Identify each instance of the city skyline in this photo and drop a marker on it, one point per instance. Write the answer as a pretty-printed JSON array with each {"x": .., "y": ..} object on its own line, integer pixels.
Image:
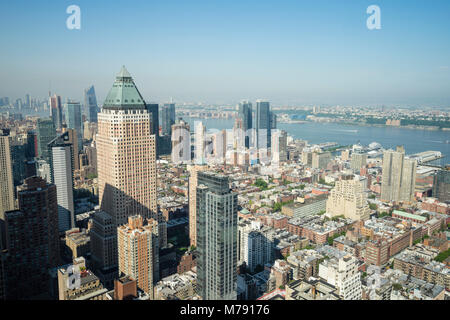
[{"x": 294, "y": 52}]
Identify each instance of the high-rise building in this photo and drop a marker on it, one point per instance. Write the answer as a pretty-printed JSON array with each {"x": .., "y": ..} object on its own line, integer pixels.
[
  {"x": 126, "y": 153},
  {"x": 320, "y": 160},
  {"x": 359, "y": 160},
  {"x": 200, "y": 143},
  {"x": 193, "y": 183},
  {"x": 399, "y": 176},
  {"x": 216, "y": 237},
  {"x": 245, "y": 114},
  {"x": 56, "y": 111},
  {"x": 18, "y": 157},
  {"x": 104, "y": 254},
  {"x": 90, "y": 103},
  {"x": 263, "y": 124},
  {"x": 441, "y": 185},
  {"x": 73, "y": 140},
  {"x": 61, "y": 172},
  {"x": 6, "y": 175},
  {"x": 161, "y": 147},
  {"x": 167, "y": 118},
  {"x": 181, "y": 142},
  {"x": 255, "y": 246},
  {"x": 46, "y": 132},
  {"x": 32, "y": 240},
  {"x": 138, "y": 251},
  {"x": 73, "y": 119},
  {"x": 348, "y": 199},
  {"x": 279, "y": 146}
]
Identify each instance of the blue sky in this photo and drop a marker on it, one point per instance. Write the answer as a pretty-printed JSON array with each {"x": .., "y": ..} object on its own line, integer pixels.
[{"x": 296, "y": 52}]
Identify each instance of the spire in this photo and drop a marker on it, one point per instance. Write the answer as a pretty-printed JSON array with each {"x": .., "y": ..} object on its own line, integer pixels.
[{"x": 124, "y": 94}]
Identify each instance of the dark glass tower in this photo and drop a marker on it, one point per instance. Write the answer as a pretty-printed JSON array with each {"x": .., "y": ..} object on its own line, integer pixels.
[
  {"x": 167, "y": 118},
  {"x": 90, "y": 103},
  {"x": 263, "y": 124},
  {"x": 216, "y": 237},
  {"x": 245, "y": 114},
  {"x": 441, "y": 185}
]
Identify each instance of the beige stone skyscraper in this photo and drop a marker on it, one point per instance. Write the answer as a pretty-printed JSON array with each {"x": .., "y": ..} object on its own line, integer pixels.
[
  {"x": 193, "y": 183},
  {"x": 138, "y": 256},
  {"x": 399, "y": 176},
  {"x": 348, "y": 199},
  {"x": 126, "y": 154},
  {"x": 6, "y": 178}
]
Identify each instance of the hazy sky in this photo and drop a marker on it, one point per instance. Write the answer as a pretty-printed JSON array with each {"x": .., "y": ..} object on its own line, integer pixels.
[{"x": 305, "y": 52}]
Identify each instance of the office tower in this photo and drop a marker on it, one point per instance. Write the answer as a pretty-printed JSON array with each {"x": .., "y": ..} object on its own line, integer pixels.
[
  {"x": 32, "y": 145},
  {"x": 181, "y": 142},
  {"x": 348, "y": 198},
  {"x": 73, "y": 119},
  {"x": 56, "y": 111},
  {"x": 104, "y": 247},
  {"x": 245, "y": 112},
  {"x": 161, "y": 146},
  {"x": 138, "y": 253},
  {"x": 216, "y": 237},
  {"x": 193, "y": 183},
  {"x": 73, "y": 139},
  {"x": 126, "y": 153},
  {"x": 399, "y": 176},
  {"x": 32, "y": 240},
  {"x": 307, "y": 156},
  {"x": 45, "y": 133},
  {"x": 167, "y": 118},
  {"x": 90, "y": 103},
  {"x": 320, "y": 160},
  {"x": 359, "y": 160},
  {"x": 279, "y": 146},
  {"x": 61, "y": 172},
  {"x": 6, "y": 175},
  {"x": 273, "y": 120},
  {"x": 441, "y": 185},
  {"x": 27, "y": 101},
  {"x": 263, "y": 124},
  {"x": 200, "y": 143}
]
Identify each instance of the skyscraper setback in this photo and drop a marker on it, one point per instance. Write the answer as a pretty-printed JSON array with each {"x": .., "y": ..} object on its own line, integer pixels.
[{"x": 126, "y": 155}]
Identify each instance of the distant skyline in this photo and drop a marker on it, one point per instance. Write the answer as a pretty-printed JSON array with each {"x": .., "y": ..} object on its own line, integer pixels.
[{"x": 286, "y": 51}]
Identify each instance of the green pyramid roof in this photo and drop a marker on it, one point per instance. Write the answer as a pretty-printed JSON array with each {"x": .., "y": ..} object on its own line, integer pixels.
[{"x": 124, "y": 94}]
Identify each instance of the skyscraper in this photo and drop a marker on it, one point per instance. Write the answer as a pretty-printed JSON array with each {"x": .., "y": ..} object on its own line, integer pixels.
[
  {"x": 138, "y": 251},
  {"x": 61, "y": 173},
  {"x": 126, "y": 155},
  {"x": 193, "y": 183},
  {"x": 399, "y": 176},
  {"x": 167, "y": 118},
  {"x": 263, "y": 124},
  {"x": 32, "y": 240},
  {"x": 90, "y": 103},
  {"x": 73, "y": 118},
  {"x": 441, "y": 185},
  {"x": 245, "y": 114},
  {"x": 56, "y": 111},
  {"x": 181, "y": 142},
  {"x": 46, "y": 132},
  {"x": 216, "y": 237},
  {"x": 6, "y": 175},
  {"x": 73, "y": 139},
  {"x": 200, "y": 143}
]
